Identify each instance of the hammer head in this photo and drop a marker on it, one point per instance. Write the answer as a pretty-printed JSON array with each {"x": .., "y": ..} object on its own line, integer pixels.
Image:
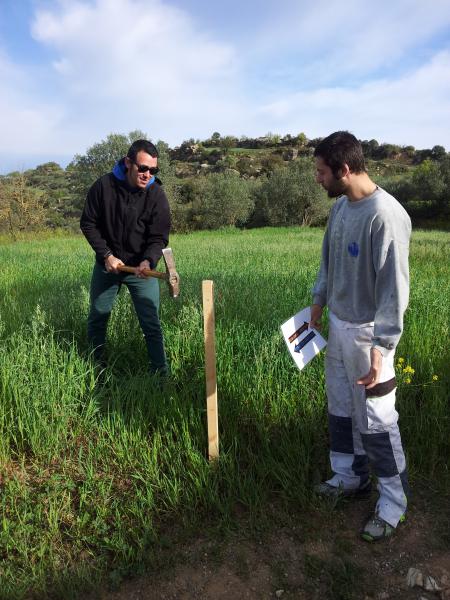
[{"x": 173, "y": 279}]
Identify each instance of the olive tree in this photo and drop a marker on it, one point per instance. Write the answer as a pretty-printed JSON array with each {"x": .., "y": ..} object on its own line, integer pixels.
[
  {"x": 220, "y": 200},
  {"x": 291, "y": 196}
]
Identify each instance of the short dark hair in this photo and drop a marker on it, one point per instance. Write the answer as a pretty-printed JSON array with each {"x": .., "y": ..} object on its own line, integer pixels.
[
  {"x": 142, "y": 146},
  {"x": 341, "y": 148}
]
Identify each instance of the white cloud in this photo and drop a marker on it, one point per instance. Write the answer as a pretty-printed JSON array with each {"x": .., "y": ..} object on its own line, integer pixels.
[
  {"x": 414, "y": 109},
  {"x": 140, "y": 62},
  {"x": 146, "y": 64},
  {"x": 131, "y": 43},
  {"x": 328, "y": 41}
]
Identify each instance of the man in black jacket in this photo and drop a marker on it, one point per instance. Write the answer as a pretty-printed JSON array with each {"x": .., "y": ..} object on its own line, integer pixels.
[{"x": 126, "y": 220}]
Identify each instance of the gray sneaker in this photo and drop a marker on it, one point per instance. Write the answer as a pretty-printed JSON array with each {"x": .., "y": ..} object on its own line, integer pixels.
[
  {"x": 377, "y": 529},
  {"x": 335, "y": 493}
]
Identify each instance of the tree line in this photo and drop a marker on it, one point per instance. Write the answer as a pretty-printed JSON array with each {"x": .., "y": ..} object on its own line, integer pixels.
[
  {"x": 225, "y": 185},
  {"x": 372, "y": 148}
]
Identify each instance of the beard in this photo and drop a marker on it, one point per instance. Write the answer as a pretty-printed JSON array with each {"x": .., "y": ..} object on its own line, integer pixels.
[{"x": 336, "y": 188}]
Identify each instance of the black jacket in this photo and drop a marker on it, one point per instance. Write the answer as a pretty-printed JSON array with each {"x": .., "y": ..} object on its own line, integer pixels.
[{"x": 133, "y": 224}]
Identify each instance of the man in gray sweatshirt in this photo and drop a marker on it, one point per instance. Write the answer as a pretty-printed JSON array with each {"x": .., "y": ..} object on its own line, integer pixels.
[{"x": 364, "y": 281}]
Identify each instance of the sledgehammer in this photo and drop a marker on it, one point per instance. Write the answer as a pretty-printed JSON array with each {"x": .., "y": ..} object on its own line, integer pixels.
[{"x": 171, "y": 275}]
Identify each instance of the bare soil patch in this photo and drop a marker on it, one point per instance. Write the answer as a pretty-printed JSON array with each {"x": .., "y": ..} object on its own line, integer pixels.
[{"x": 311, "y": 556}]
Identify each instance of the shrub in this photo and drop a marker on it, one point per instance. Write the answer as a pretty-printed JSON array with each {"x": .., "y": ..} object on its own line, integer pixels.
[
  {"x": 21, "y": 207},
  {"x": 291, "y": 196},
  {"x": 224, "y": 200}
]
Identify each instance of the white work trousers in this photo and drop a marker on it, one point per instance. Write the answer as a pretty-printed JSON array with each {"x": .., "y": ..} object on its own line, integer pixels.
[{"x": 363, "y": 423}]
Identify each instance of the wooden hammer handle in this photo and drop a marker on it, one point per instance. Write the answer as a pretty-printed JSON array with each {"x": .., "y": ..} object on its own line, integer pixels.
[{"x": 147, "y": 272}]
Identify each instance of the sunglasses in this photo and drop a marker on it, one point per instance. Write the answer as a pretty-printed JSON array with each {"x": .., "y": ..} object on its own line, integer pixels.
[{"x": 145, "y": 168}]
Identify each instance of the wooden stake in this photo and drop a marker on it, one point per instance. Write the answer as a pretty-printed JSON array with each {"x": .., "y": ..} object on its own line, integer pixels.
[{"x": 210, "y": 368}]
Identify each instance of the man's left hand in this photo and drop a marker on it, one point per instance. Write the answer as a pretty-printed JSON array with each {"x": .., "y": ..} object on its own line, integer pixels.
[
  {"x": 373, "y": 376},
  {"x": 140, "y": 269}
]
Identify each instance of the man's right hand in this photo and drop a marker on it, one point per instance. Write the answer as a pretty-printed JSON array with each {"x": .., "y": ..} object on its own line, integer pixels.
[
  {"x": 111, "y": 264},
  {"x": 316, "y": 315}
]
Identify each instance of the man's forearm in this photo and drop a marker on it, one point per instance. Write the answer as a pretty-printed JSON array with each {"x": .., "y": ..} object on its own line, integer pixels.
[{"x": 96, "y": 241}]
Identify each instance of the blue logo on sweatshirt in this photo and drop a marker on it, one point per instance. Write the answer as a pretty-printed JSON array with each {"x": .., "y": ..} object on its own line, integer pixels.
[{"x": 353, "y": 249}]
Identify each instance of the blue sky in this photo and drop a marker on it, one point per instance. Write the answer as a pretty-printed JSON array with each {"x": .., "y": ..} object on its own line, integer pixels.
[{"x": 73, "y": 71}]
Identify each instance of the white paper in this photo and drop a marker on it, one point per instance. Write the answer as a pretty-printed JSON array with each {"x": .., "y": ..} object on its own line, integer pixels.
[{"x": 303, "y": 343}]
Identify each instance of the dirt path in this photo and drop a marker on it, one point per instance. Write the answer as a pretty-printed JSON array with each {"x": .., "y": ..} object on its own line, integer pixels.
[{"x": 317, "y": 556}]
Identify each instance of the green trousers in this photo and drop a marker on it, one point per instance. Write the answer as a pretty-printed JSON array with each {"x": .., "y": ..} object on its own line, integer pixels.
[{"x": 145, "y": 296}]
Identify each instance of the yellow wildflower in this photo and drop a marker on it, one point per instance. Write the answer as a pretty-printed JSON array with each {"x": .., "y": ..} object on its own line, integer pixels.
[
  {"x": 407, "y": 380},
  {"x": 401, "y": 360},
  {"x": 435, "y": 377},
  {"x": 408, "y": 369}
]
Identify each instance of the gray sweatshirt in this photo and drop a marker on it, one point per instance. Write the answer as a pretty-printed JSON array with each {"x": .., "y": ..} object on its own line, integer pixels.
[{"x": 364, "y": 273}]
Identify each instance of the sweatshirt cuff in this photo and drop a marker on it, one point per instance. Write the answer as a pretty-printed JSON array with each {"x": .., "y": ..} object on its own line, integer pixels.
[
  {"x": 319, "y": 300},
  {"x": 382, "y": 350}
]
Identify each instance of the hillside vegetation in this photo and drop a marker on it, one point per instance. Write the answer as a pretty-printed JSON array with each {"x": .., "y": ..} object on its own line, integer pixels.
[{"x": 226, "y": 181}]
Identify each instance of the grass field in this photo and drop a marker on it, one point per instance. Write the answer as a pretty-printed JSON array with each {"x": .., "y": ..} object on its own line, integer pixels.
[{"x": 94, "y": 466}]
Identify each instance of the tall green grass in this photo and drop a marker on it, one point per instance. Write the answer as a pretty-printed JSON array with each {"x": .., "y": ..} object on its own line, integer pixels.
[{"x": 93, "y": 464}]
